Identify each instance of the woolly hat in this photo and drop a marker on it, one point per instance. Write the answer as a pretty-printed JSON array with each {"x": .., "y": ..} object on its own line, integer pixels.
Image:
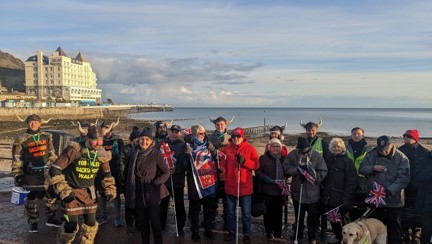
[
  {"x": 303, "y": 145},
  {"x": 94, "y": 132},
  {"x": 383, "y": 143},
  {"x": 135, "y": 133},
  {"x": 147, "y": 132},
  {"x": 238, "y": 131},
  {"x": 412, "y": 133},
  {"x": 275, "y": 140}
]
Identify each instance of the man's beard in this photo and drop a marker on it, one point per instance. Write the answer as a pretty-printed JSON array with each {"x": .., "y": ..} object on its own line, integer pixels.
[{"x": 161, "y": 134}]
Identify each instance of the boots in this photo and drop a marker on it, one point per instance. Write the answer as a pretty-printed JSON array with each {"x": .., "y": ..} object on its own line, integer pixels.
[
  {"x": 63, "y": 237},
  {"x": 88, "y": 233}
]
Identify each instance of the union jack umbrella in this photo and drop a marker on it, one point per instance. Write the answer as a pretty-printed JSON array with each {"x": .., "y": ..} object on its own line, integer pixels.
[
  {"x": 334, "y": 215},
  {"x": 284, "y": 186},
  {"x": 376, "y": 195},
  {"x": 308, "y": 177}
]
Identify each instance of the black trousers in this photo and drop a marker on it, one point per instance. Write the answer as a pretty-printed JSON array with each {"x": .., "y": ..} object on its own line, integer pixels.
[
  {"x": 179, "y": 207},
  {"x": 391, "y": 218},
  {"x": 273, "y": 216},
  {"x": 207, "y": 204},
  {"x": 146, "y": 217},
  {"x": 426, "y": 231},
  {"x": 72, "y": 221},
  {"x": 312, "y": 219}
]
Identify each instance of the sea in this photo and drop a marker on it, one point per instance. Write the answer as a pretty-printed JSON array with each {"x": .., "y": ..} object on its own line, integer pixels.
[{"x": 337, "y": 121}]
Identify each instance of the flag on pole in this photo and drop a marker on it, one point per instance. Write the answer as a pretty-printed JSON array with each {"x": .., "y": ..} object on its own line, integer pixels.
[
  {"x": 284, "y": 186},
  {"x": 308, "y": 177},
  {"x": 334, "y": 215},
  {"x": 376, "y": 195},
  {"x": 168, "y": 155}
]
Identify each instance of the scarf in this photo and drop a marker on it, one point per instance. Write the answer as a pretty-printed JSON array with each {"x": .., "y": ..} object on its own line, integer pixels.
[
  {"x": 357, "y": 147},
  {"x": 144, "y": 170},
  {"x": 219, "y": 135},
  {"x": 279, "y": 170},
  {"x": 197, "y": 141}
]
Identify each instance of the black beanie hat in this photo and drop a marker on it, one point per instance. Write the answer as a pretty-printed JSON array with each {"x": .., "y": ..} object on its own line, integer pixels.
[
  {"x": 147, "y": 131},
  {"x": 135, "y": 133},
  {"x": 303, "y": 145}
]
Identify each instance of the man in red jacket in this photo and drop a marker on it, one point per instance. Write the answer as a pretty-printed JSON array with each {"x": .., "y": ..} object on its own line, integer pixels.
[{"x": 241, "y": 159}]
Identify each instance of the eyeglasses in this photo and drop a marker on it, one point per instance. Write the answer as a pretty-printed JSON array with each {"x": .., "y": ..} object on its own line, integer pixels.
[
  {"x": 201, "y": 133},
  {"x": 236, "y": 136},
  {"x": 275, "y": 146}
]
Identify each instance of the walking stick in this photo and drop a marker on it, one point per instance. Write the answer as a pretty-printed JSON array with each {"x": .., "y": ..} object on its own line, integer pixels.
[
  {"x": 238, "y": 204},
  {"x": 298, "y": 214},
  {"x": 175, "y": 211}
]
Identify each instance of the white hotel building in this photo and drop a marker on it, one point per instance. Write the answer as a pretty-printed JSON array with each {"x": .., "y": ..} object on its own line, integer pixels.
[{"x": 61, "y": 77}]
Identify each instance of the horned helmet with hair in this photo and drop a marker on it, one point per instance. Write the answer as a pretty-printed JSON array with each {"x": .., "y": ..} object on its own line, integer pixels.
[
  {"x": 278, "y": 129},
  {"x": 107, "y": 128},
  {"x": 83, "y": 127}
]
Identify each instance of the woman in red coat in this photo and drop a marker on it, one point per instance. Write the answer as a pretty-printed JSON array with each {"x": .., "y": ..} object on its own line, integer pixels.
[{"x": 239, "y": 155}]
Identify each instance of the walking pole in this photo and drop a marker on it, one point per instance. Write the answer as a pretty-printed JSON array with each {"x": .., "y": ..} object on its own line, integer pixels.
[
  {"x": 298, "y": 214},
  {"x": 175, "y": 211},
  {"x": 238, "y": 204}
]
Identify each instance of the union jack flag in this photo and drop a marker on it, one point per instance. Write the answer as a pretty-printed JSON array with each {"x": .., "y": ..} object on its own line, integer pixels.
[
  {"x": 308, "y": 177},
  {"x": 168, "y": 155},
  {"x": 187, "y": 131},
  {"x": 334, "y": 215},
  {"x": 284, "y": 186},
  {"x": 376, "y": 195}
]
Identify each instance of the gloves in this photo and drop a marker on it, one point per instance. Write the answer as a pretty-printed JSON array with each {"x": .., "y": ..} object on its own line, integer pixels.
[
  {"x": 268, "y": 179},
  {"x": 302, "y": 177},
  {"x": 210, "y": 146},
  {"x": 19, "y": 180},
  {"x": 109, "y": 197},
  {"x": 388, "y": 193},
  {"x": 240, "y": 159},
  {"x": 69, "y": 198},
  {"x": 188, "y": 149}
]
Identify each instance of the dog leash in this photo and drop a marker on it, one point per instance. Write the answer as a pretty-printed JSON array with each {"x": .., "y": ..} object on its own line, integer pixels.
[{"x": 366, "y": 214}]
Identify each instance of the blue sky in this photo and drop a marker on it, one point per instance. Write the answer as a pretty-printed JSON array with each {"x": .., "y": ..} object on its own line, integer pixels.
[{"x": 238, "y": 53}]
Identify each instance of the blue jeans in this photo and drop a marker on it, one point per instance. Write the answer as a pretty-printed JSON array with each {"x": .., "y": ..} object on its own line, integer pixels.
[
  {"x": 102, "y": 205},
  {"x": 245, "y": 204}
]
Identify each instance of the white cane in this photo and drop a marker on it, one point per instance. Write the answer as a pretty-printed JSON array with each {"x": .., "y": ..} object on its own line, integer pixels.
[
  {"x": 298, "y": 214},
  {"x": 175, "y": 212},
  {"x": 238, "y": 204}
]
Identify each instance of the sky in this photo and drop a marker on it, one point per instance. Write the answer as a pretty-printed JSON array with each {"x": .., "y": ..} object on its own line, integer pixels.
[{"x": 218, "y": 53}]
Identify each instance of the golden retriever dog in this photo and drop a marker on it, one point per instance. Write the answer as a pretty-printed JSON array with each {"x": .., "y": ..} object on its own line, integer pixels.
[{"x": 365, "y": 231}]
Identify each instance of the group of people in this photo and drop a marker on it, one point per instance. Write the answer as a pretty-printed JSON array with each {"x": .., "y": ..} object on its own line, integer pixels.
[{"x": 155, "y": 167}]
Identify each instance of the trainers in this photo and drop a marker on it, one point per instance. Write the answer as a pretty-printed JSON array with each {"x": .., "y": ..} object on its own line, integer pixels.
[
  {"x": 118, "y": 222},
  {"x": 53, "y": 222},
  {"x": 102, "y": 220},
  {"x": 33, "y": 228}
]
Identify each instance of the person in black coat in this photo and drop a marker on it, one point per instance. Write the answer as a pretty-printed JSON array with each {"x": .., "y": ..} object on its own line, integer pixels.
[
  {"x": 415, "y": 153},
  {"x": 173, "y": 150},
  {"x": 339, "y": 187},
  {"x": 271, "y": 169},
  {"x": 423, "y": 174},
  {"x": 146, "y": 172}
]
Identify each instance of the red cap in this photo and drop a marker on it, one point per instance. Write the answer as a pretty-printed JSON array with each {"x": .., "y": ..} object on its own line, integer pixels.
[
  {"x": 412, "y": 133},
  {"x": 238, "y": 131}
]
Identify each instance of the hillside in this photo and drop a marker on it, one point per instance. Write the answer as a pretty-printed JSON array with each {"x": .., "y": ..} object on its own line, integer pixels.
[{"x": 11, "y": 72}]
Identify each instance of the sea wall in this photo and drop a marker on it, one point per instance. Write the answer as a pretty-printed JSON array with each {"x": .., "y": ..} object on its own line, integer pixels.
[{"x": 9, "y": 114}]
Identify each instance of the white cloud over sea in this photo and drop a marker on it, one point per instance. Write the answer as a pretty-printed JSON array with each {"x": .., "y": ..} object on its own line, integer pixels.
[{"x": 238, "y": 53}]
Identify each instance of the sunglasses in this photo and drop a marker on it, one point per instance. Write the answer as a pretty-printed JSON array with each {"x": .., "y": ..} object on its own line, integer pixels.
[
  {"x": 201, "y": 134},
  {"x": 236, "y": 136}
]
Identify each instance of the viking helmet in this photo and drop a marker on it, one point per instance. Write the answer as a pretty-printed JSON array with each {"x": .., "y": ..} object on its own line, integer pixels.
[
  {"x": 33, "y": 117},
  {"x": 227, "y": 122},
  {"x": 107, "y": 128},
  {"x": 311, "y": 124},
  {"x": 83, "y": 128},
  {"x": 159, "y": 122}
]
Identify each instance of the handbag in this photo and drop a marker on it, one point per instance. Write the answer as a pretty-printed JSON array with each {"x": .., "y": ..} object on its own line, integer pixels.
[{"x": 258, "y": 209}]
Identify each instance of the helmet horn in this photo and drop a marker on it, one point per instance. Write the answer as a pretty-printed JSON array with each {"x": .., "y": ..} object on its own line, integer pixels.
[
  {"x": 20, "y": 119},
  {"x": 302, "y": 124},
  {"x": 231, "y": 120},
  {"x": 81, "y": 130},
  {"x": 45, "y": 121}
]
